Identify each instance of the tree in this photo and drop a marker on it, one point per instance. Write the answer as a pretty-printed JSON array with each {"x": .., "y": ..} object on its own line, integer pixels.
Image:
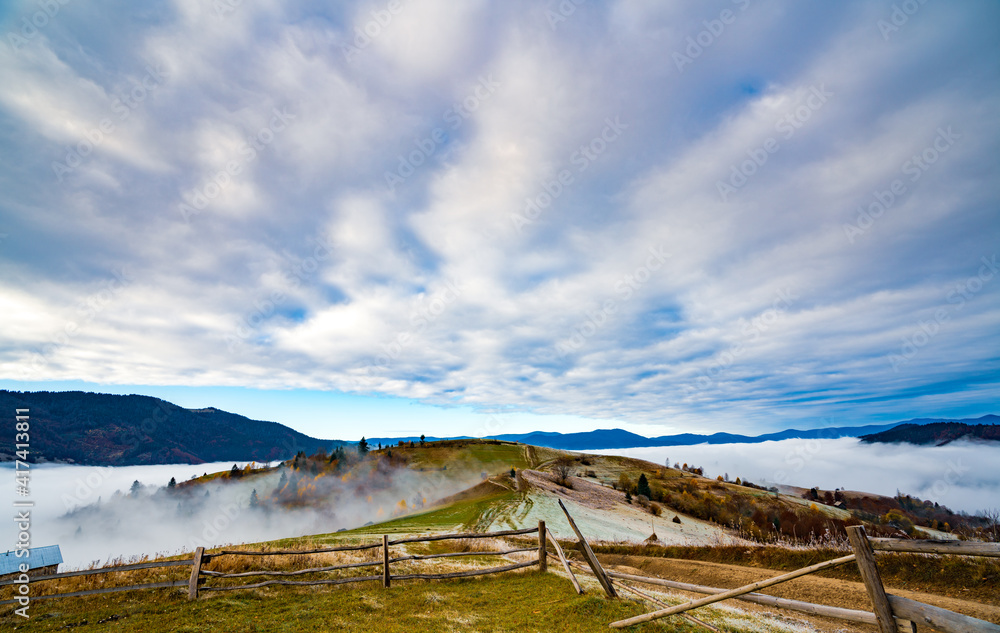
[
  {"x": 625, "y": 482},
  {"x": 513, "y": 473},
  {"x": 564, "y": 470},
  {"x": 254, "y": 501},
  {"x": 422, "y": 439},
  {"x": 362, "y": 446},
  {"x": 136, "y": 487},
  {"x": 283, "y": 480},
  {"x": 642, "y": 487},
  {"x": 172, "y": 483},
  {"x": 235, "y": 472},
  {"x": 628, "y": 497}
]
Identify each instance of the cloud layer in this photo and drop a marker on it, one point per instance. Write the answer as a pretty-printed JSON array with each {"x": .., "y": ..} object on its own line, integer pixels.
[{"x": 734, "y": 213}]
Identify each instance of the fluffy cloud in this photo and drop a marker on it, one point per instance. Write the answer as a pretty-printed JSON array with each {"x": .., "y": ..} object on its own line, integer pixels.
[{"x": 737, "y": 214}]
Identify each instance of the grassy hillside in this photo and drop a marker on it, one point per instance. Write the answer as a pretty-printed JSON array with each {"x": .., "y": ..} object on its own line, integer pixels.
[{"x": 507, "y": 603}]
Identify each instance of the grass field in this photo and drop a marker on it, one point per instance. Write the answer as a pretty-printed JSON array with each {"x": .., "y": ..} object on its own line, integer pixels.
[{"x": 506, "y": 603}]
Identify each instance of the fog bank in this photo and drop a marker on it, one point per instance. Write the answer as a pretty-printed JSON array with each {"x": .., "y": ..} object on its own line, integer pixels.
[
  {"x": 962, "y": 475},
  {"x": 92, "y": 515}
]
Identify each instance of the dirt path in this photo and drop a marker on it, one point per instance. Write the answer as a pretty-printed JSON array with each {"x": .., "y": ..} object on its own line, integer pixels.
[{"x": 829, "y": 591}]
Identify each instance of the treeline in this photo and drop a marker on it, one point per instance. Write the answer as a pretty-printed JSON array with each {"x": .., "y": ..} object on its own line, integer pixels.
[{"x": 115, "y": 430}]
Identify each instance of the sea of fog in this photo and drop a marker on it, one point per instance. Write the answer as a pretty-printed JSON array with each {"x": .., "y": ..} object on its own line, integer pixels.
[
  {"x": 90, "y": 513},
  {"x": 964, "y": 476}
]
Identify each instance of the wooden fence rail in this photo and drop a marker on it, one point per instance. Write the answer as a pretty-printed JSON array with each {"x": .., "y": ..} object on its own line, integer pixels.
[
  {"x": 102, "y": 570},
  {"x": 934, "y": 546},
  {"x": 891, "y": 613},
  {"x": 199, "y": 575}
]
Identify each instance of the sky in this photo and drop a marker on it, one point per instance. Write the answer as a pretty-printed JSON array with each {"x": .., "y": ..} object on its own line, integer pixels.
[{"x": 418, "y": 215}]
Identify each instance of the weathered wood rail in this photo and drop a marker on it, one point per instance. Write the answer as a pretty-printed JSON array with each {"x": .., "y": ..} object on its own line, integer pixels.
[
  {"x": 892, "y": 614},
  {"x": 199, "y": 575}
]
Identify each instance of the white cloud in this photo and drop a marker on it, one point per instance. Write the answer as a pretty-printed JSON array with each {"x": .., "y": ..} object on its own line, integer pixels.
[{"x": 468, "y": 305}]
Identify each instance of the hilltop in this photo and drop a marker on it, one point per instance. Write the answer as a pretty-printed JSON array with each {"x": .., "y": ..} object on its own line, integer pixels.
[
  {"x": 940, "y": 433},
  {"x": 114, "y": 430},
  {"x": 513, "y": 486}
]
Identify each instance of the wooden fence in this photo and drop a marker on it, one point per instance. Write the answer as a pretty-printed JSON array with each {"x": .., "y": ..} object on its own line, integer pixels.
[
  {"x": 199, "y": 574},
  {"x": 891, "y": 613}
]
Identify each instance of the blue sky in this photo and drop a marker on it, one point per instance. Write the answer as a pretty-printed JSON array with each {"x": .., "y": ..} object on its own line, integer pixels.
[{"x": 427, "y": 216}]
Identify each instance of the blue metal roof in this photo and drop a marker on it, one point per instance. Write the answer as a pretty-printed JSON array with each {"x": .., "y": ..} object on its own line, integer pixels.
[{"x": 38, "y": 557}]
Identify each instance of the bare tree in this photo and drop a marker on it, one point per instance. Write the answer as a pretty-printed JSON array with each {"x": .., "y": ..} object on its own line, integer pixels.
[
  {"x": 992, "y": 517},
  {"x": 563, "y": 469}
]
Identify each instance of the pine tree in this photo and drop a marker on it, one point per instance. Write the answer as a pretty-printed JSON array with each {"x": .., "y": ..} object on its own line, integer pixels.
[
  {"x": 422, "y": 439},
  {"x": 254, "y": 501},
  {"x": 136, "y": 487},
  {"x": 235, "y": 472},
  {"x": 172, "y": 484},
  {"x": 362, "y": 446},
  {"x": 642, "y": 488},
  {"x": 628, "y": 497}
]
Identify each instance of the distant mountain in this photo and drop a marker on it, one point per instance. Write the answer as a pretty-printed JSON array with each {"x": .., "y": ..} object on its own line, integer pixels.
[
  {"x": 113, "y": 430},
  {"x": 937, "y": 433},
  {"x": 618, "y": 438}
]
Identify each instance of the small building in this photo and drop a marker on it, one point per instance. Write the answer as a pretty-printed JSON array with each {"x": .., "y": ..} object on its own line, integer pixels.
[{"x": 42, "y": 561}]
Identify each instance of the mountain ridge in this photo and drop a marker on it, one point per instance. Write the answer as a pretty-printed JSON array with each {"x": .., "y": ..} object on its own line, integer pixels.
[
  {"x": 128, "y": 430},
  {"x": 119, "y": 430},
  {"x": 939, "y": 433}
]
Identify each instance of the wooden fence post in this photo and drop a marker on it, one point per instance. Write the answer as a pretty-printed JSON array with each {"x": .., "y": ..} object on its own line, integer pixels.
[
  {"x": 195, "y": 572},
  {"x": 732, "y": 593},
  {"x": 565, "y": 563},
  {"x": 543, "y": 563},
  {"x": 873, "y": 581},
  {"x": 588, "y": 554},
  {"x": 386, "y": 578}
]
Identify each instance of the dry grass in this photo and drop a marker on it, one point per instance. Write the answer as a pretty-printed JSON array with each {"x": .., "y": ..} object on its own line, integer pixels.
[
  {"x": 235, "y": 563},
  {"x": 977, "y": 578}
]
